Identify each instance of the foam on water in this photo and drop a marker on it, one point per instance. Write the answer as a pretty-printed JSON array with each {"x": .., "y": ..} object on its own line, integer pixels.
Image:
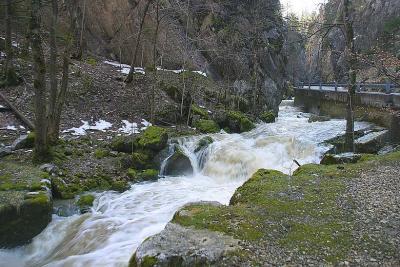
[{"x": 120, "y": 222}]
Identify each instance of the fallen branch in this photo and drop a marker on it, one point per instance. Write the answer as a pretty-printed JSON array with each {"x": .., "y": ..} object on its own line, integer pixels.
[{"x": 18, "y": 113}]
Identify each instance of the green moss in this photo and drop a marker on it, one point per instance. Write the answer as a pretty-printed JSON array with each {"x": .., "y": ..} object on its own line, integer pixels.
[
  {"x": 85, "y": 201},
  {"x": 149, "y": 174},
  {"x": 268, "y": 117},
  {"x": 30, "y": 140},
  {"x": 91, "y": 61},
  {"x": 120, "y": 186},
  {"x": 207, "y": 126},
  {"x": 101, "y": 153},
  {"x": 141, "y": 160},
  {"x": 204, "y": 142},
  {"x": 132, "y": 173},
  {"x": 196, "y": 110},
  {"x": 124, "y": 144},
  {"x": 239, "y": 122},
  {"x": 40, "y": 199},
  {"x": 149, "y": 261},
  {"x": 153, "y": 138}
]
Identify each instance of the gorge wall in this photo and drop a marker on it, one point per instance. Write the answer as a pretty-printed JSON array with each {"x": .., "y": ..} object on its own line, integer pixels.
[{"x": 377, "y": 31}]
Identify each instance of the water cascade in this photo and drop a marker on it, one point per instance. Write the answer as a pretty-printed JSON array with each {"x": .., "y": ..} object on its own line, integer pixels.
[{"x": 118, "y": 223}]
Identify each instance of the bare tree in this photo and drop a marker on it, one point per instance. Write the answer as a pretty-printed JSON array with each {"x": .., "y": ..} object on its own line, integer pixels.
[
  {"x": 129, "y": 78},
  {"x": 9, "y": 74},
  {"x": 352, "y": 72},
  {"x": 42, "y": 151}
]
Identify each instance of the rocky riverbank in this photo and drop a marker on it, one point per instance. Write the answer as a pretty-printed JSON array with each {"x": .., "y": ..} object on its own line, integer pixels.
[{"x": 322, "y": 215}]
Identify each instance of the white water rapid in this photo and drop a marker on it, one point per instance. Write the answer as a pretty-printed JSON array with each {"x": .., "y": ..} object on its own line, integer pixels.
[{"x": 118, "y": 223}]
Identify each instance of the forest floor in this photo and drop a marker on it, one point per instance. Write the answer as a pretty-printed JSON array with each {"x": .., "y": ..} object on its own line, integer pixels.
[{"x": 97, "y": 94}]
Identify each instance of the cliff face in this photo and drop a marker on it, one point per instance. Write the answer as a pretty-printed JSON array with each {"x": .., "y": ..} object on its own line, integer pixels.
[
  {"x": 377, "y": 29},
  {"x": 235, "y": 42}
]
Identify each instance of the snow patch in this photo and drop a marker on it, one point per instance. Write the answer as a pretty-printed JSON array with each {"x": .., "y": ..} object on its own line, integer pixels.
[
  {"x": 129, "y": 128},
  {"x": 124, "y": 68},
  {"x": 100, "y": 125},
  {"x": 10, "y": 128}
]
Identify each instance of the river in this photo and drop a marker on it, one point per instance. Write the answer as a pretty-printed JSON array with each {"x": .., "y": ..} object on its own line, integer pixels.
[{"x": 118, "y": 223}]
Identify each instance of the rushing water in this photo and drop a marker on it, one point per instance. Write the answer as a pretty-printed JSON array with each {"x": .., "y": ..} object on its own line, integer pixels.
[{"x": 120, "y": 222}]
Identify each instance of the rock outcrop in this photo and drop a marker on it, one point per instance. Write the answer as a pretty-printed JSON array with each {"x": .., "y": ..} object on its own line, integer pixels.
[{"x": 377, "y": 31}]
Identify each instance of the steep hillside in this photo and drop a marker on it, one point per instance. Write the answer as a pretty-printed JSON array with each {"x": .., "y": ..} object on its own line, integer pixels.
[{"x": 235, "y": 42}]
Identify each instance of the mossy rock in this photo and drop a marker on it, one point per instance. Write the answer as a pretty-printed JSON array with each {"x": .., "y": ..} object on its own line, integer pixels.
[
  {"x": 153, "y": 138},
  {"x": 207, "y": 126},
  {"x": 64, "y": 190},
  {"x": 203, "y": 113},
  {"x": 268, "y": 117},
  {"x": 330, "y": 159},
  {"x": 145, "y": 175},
  {"x": 237, "y": 122},
  {"x": 141, "y": 160},
  {"x": 203, "y": 143},
  {"x": 125, "y": 144},
  {"x": 23, "y": 216},
  {"x": 85, "y": 202}
]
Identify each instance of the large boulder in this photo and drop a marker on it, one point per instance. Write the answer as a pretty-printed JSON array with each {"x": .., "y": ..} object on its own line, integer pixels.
[
  {"x": 207, "y": 126},
  {"x": 235, "y": 121},
  {"x": 25, "y": 203},
  {"x": 153, "y": 139},
  {"x": 180, "y": 246},
  {"x": 178, "y": 164}
]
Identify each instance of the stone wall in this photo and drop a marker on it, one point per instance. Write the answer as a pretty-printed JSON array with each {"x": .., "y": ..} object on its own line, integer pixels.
[{"x": 381, "y": 109}]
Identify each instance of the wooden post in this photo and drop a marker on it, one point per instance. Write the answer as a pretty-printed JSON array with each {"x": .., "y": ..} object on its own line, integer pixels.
[{"x": 336, "y": 86}]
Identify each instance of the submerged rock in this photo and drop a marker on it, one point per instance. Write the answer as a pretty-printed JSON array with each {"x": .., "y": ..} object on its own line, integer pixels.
[
  {"x": 317, "y": 118},
  {"x": 180, "y": 246},
  {"x": 178, "y": 164}
]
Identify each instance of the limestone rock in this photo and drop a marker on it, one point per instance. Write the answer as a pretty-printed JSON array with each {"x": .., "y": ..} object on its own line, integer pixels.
[
  {"x": 180, "y": 246},
  {"x": 371, "y": 142}
]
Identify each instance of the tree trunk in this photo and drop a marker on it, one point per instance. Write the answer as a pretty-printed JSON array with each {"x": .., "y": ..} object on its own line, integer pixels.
[
  {"x": 53, "y": 73},
  {"x": 153, "y": 89},
  {"x": 129, "y": 78},
  {"x": 9, "y": 71},
  {"x": 350, "y": 51},
  {"x": 39, "y": 85}
]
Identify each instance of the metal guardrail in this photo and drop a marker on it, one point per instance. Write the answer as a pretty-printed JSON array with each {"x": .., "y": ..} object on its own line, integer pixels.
[{"x": 361, "y": 87}]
